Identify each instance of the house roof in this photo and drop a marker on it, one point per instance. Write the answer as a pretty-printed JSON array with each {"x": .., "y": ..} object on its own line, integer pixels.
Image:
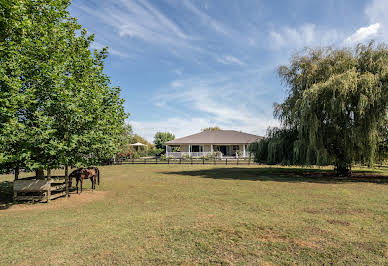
[{"x": 216, "y": 137}]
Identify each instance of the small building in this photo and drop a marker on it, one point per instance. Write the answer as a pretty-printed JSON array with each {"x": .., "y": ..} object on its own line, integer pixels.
[{"x": 224, "y": 142}]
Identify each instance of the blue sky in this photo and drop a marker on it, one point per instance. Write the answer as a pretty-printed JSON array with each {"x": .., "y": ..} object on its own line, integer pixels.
[{"x": 186, "y": 65}]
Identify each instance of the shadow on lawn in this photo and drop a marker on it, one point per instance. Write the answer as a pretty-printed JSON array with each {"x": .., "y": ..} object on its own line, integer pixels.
[
  {"x": 283, "y": 175},
  {"x": 6, "y": 194}
]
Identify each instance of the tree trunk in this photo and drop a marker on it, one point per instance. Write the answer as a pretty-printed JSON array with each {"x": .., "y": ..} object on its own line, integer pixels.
[
  {"x": 67, "y": 179},
  {"x": 39, "y": 173},
  {"x": 343, "y": 170},
  {"x": 17, "y": 173}
]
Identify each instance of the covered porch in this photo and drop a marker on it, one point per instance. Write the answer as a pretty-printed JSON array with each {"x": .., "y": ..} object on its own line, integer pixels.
[{"x": 204, "y": 150}]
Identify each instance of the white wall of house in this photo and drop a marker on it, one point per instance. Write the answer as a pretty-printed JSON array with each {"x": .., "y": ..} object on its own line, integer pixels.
[
  {"x": 207, "y": 148},
  {"x": 184, "y": 148}
]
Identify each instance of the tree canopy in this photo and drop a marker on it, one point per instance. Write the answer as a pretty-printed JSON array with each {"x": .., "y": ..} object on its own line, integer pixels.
[
  {"x": 57, "y": 105},
  {"x": 161, "y": 138},
  {"x": 211, "y": 128},
  {"x": 336, "y": 108}
]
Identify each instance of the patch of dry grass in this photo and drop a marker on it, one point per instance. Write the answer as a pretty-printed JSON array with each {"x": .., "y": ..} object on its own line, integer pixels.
[{"x": 170, "y": 214}]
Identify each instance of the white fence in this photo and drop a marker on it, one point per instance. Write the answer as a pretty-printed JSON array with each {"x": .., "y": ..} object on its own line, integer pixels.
[
  {"x": 198, "y": 154},
  {"x": 188, "y": 154}
]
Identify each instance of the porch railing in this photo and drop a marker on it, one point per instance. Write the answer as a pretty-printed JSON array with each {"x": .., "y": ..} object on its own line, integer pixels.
[
  {"x": 188, "y": 154},
  {"x": 197, "y": 154}
]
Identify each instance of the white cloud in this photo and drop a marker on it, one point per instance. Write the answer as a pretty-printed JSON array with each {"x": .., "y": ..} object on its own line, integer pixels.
[
  {"x": 142, "y": 21},
  {"x": 228, "y": 101},
  {"x": 377, "y": 13},
  {"x": 178, "y": 71},
  {"x": 363, "y": 34},
  {"x": 230, "y": 60},
  {"x": 176, "y": 84},
  {"x": 303, "y": 36},
  {"x": 180, "y": 127},
  {"x": 206, "y": 19}
]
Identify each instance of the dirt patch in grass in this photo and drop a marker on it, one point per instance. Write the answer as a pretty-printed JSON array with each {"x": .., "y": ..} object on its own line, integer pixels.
[
  {"x": 73, "y": 201},
  {"x": 307, "y": 243},
  {"x": 313, "y": 211},
  {"x": 333, "y": 211},
  {"x": 333, "y": 221}
]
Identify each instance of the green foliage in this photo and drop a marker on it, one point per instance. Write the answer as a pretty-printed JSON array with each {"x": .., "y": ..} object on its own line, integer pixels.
[
  {"x": 161, "y": 138},
  {"x": 277, "y": 147},
  {"x": 155, "y": 152},
  {"x": 337, "y": 102},
  {"x": 211, "y": 128},
  {"x": 57, "y": 106}
]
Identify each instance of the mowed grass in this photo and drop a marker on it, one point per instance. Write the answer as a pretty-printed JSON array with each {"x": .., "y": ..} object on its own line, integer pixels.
[{"x": 189, "y": 214}]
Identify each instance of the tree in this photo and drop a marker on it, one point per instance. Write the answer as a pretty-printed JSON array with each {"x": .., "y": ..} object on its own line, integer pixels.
[
  {"x": 57, "y": 105},
  {"x": 337, "y": 101},
  {"x": 276, "y": 148},
  {"x": 161, "y": 138},
  {"x": 211, "y": 128}
]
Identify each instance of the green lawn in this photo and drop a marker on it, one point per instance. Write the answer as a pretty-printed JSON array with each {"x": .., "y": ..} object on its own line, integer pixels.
[{"x": 188, "y": 214}]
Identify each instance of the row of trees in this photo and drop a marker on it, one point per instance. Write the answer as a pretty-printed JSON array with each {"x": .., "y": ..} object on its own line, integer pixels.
[
  {"x": 336, "y": 111},
  {"x": 56, "y": 105},
  {"x": 128, "y": 137}
]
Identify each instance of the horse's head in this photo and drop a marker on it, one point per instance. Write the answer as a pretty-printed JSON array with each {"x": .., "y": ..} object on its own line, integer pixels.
[{"x": 74, "y": 174}]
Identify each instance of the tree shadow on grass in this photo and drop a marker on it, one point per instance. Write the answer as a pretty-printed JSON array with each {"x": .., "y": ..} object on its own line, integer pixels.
[
  {"x": 279, "y": 174},
  {"x": 6, "y": 194}
]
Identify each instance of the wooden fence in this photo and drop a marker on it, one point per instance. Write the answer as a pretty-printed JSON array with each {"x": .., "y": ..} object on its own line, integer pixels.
[{"x": 32, "y": 189}]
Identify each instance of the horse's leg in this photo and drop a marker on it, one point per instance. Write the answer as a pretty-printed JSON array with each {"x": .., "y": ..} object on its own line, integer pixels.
[
  {"x": 77, "y": 185},
  {"x": 82, "y": 181},
  {"x": 91, "y": 180}
]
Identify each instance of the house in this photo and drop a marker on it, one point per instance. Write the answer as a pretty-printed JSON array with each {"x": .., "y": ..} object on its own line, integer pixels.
[{"x": 225, "y": 142}]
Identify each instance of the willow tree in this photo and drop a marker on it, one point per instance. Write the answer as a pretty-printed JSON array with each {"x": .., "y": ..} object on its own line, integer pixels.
[
  {"x": 337, "y": 102},
  {"x": 276, "y": 148}
]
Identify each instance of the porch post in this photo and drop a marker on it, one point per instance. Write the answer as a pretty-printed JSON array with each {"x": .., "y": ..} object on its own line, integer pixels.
[
  {"x": 189, "y": 150},
  {"x": 166, "y": 150},
  {"x": 211, "y": 148},
  {"x": 244, "y": 150}
]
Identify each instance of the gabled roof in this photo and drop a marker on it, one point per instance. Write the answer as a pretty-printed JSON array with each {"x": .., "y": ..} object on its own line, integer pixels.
[{"x": 216, "y": 137}]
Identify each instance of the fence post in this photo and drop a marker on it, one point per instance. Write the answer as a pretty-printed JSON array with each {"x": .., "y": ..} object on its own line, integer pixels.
[
  {"x": 214, "y": 160},
  {"x": 203, "y": 160},
  {"x": 180, "y": 160},
  {"x": 226, "y": 161},
  {"x": 168, "y": 161},
  {"x": 237, "y": 160},
  {"x": 133, "y": 160},
  {"x": 145, "y": 161},
  {"x": 191, "y": 160},
  {"x": 156, "y": 160},
  {"x": 67, "y": 180},
  {"x": 249, "y": 161}
]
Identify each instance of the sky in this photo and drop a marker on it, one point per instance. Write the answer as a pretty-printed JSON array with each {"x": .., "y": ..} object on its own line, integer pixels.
[{"x": 184, "y": 65}]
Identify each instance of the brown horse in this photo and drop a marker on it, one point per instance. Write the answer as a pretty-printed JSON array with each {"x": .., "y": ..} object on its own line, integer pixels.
[{"x": 92, "y": 173}]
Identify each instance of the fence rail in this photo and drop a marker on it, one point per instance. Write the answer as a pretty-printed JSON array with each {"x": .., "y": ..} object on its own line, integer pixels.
[{"x": 190, "y": 161}]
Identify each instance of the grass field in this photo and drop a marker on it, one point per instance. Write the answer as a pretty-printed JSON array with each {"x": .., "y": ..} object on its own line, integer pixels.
[{"x": 164, "y": 214}]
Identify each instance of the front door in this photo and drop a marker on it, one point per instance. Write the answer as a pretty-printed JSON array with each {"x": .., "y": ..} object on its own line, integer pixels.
[
  {"x": 222, "y": 149},
  {"x": 195, "y": 148}
]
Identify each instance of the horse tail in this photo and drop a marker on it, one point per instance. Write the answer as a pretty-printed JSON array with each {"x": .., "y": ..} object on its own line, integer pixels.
[{"x": 98, "y": 176}]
